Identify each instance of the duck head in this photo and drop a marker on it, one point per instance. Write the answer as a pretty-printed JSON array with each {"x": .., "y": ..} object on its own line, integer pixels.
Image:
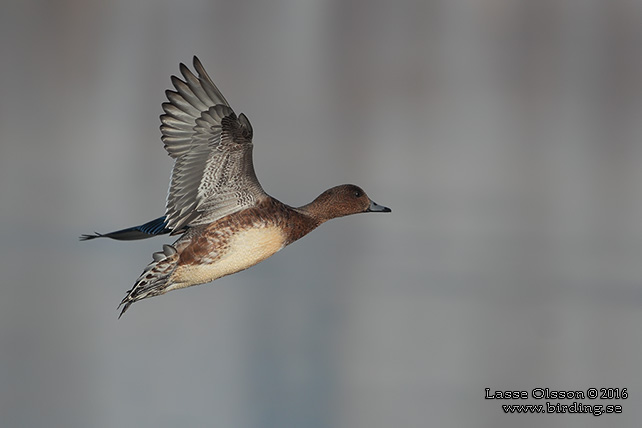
[{"x": 340, "y": 201}]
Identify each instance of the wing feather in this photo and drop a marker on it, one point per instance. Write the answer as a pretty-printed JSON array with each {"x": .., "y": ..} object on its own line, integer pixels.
[{"x": 213, "y": 175}]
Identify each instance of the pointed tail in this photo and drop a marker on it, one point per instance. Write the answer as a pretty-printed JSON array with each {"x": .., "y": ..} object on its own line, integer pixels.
[
  {"x": 154, "y": 279},
  {"x": 148, "y": 230}
]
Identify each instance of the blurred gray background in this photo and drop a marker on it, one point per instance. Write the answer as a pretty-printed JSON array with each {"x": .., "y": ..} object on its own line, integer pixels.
[{"x": 505, "y": 135}]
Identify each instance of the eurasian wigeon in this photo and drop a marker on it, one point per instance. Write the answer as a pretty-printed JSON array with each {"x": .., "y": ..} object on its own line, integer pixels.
[{"x": 226, "y": 221}]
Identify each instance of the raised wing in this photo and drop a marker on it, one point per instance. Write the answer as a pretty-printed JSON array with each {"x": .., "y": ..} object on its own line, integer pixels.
[{"x": 213, "y": 174}]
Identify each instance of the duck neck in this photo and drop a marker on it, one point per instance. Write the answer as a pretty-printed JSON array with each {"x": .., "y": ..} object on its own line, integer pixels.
[
  {"x": 315, "y": 212},
  {"x": 301, "y": 221}
]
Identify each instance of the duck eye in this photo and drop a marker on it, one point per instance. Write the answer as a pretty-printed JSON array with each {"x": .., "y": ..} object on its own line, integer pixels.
[{"x": 357, "y": 194}]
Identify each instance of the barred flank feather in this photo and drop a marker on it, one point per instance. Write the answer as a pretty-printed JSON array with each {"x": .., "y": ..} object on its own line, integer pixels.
[{"x": 153, "y": 281}]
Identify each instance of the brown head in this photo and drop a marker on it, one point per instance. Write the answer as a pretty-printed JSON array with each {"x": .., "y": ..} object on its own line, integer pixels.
[{"x": 340, "y": 201}]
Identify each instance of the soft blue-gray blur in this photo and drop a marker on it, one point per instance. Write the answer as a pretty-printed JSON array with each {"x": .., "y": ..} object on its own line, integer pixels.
[{"x": 505, "y": 136}]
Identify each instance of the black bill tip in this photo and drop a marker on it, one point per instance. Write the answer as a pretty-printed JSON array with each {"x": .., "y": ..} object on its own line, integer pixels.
[{"x": 376, "y": 208}]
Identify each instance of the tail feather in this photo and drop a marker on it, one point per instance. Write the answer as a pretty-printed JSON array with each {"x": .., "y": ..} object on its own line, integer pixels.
[
  {"x": 154, "y": 279},
  {"x": 148, "y": 230}
]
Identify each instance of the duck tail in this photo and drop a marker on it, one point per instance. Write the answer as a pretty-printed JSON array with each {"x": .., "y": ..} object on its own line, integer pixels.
[{"x": 154, "y": 279}]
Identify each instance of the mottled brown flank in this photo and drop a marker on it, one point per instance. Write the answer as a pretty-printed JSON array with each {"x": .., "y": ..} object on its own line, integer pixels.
[{"x": 196, "y": 246}]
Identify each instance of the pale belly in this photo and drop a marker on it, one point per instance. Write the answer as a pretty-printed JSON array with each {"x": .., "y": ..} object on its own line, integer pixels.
[{"x": 244, "y": 250}]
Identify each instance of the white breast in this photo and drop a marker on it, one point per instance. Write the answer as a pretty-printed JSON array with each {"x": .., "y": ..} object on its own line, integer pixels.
[{"x": 245, "y": 249}]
